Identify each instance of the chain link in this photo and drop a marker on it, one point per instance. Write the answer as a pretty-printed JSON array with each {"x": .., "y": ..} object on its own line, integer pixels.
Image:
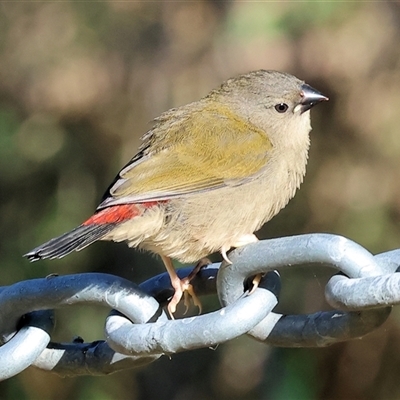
[{"x": 138, "y": 330}]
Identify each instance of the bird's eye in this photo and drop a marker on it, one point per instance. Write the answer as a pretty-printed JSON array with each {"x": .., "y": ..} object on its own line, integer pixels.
[{"x": 281, "y": 107}]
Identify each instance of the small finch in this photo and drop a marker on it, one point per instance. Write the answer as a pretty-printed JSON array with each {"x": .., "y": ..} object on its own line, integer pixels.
[{"x": 207, "y": 175}]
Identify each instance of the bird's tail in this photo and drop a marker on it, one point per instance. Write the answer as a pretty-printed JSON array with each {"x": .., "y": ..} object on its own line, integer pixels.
[
  {"x": 77, "y": 239},
  {"x": 95, "y": 228}
]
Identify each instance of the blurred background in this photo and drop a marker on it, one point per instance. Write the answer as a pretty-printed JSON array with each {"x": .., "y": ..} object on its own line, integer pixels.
[{"x": 80, "y": 83}]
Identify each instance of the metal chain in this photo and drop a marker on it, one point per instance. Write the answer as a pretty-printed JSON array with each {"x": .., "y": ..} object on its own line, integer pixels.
[{"x": 138, "y": 330}]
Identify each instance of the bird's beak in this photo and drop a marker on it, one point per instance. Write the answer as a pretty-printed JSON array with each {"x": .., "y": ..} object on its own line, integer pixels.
[{"x": 310, "y": 97}]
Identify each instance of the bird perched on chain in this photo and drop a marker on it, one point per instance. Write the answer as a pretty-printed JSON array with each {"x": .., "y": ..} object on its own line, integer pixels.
[{"x": 207, "y": 175}]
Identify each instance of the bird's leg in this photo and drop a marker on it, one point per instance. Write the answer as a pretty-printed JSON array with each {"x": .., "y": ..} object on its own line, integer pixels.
[
  {"x": 242, "y": 241},
  {"x": 181, "y": 287},
  {"x": 200, "y": 264},
  {"x": 176, "y": 284}
]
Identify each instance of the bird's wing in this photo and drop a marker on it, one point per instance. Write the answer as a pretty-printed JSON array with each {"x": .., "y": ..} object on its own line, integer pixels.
[{"x": 204, "y": 150}]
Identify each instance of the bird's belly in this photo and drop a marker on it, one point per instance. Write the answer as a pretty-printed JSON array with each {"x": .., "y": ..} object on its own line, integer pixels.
[{"x": 199, "y": 225}]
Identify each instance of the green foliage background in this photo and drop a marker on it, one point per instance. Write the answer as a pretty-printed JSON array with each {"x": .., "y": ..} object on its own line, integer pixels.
[{"x": 79, "y": 83}]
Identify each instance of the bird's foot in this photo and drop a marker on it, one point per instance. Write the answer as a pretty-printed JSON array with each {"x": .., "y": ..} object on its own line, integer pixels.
[
  {"x": 256, "y": 281},
  {"x": 180, "y": 288},
  {"x": 183, "y": 288},
  {"x": 242, "y": 241},
  {"x": 190, "y": 291}
]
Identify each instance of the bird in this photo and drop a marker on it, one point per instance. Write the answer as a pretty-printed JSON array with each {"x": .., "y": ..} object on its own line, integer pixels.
[{"x": 206, "y": 176}]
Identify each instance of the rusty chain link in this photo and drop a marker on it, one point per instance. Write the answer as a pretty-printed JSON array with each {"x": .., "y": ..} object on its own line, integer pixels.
[{"x": 138, "y": 330}]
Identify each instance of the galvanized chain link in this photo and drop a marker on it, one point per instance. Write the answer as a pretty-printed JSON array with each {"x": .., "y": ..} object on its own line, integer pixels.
[{"x": 138, "y": 330}]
